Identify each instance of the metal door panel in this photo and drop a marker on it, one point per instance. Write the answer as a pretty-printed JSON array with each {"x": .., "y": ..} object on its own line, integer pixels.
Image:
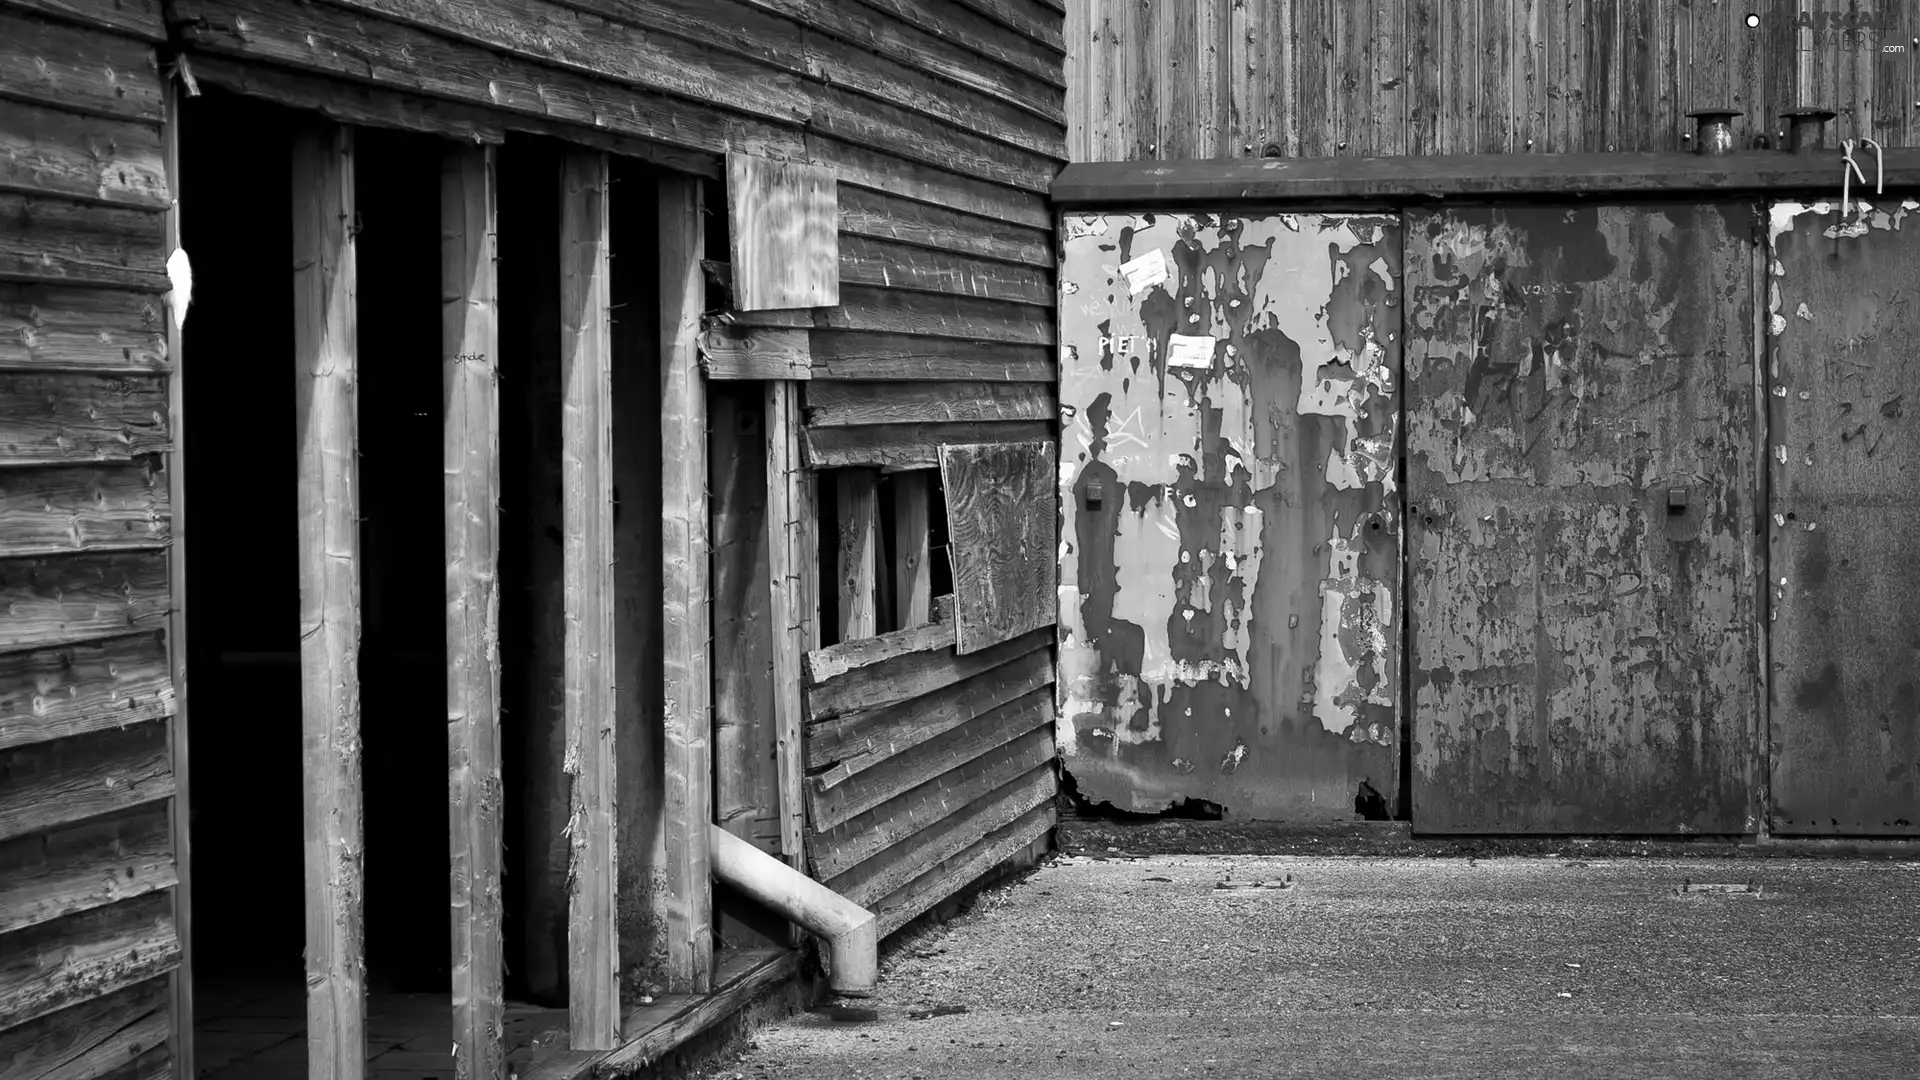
[
  {"x": 1230, "y": 554},
  {"x": 1844, "y": 527},
  {"x": 1581, "y": 476}
]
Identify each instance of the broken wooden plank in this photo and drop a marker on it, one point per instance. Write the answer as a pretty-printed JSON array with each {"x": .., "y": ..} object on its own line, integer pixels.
[
  {"x": 829, "y": 806},
  {"x": 46, "y": 785},
  {"x": 1001, "y": 518},
  {"x": 48, "y": 151},
  {"x": 849, "y": 404},
  {"x": 849, "y": 744},
  {"x": 325, "y": 356},
  {"x": 89, "y": 955},
  {"x": 48, "y": 419},
  {"x": 870, "y": 833},
  {"x": 48, "y": 328},
  {"x": 956, "y": 873},
  {"x": 67, "y": 598},
  {"x": 685, "y": 604},
  {"x": 909, "y": 446},
  {"x": 470, "y": 349},
  {"x": 935, "y": 633},
  {"x": 914, "y": 852},
  {"x": 853, "y": 354},
  {"x": 858, "y": 501},
  {"x": 908, "y": 676},
  {"x": 739, "y": 352},
  {"x": 783, "y": 223},
  {"x": 791, "y": 559},
  {"x": 99, "y": 508},
  {"x": 62, "y": 65},
  {"x": 586, "y": 463},
  {"x": 82, "y": 687},
  {"x": 94, "y": 1038},
  {"x": 86, "y": 864}
]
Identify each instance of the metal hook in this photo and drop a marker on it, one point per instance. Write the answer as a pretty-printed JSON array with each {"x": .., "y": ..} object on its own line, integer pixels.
[
  {"x": 1848, "y": 170},
  {"x": 1879, "y": 166}
]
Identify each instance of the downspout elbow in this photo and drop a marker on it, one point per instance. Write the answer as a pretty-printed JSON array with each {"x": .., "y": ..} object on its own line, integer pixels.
[{"x": 852, "y": 932}]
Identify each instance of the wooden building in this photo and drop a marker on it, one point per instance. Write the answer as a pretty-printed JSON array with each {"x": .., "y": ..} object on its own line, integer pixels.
[{"x": 601, "y": 422}]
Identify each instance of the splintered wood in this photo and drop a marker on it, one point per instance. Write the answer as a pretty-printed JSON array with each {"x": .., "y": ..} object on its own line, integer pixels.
[
  {"x": 783, "y": 219},
  {"x": 1000, "y": 518}
]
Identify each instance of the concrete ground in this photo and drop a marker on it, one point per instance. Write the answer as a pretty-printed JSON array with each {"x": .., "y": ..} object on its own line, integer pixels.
[{"x": 1568, "y": 966}]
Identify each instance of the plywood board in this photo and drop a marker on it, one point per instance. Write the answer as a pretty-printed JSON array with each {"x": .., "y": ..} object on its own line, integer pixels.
[
  {"x": 1000, "y": 521},
  {"x": 783, "y": 222}
]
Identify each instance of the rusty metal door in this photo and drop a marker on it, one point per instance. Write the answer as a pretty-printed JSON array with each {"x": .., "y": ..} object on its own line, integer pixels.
[
  {"x": 1581, "y": 488},
  {"x": 1845, "y": 518},
  {"x": 1230, "y": 541}
]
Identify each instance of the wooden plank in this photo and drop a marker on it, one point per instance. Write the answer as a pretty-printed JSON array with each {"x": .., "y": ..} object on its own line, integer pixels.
[
  {"x": 1001, "y": 519},
  {"x": 134, "y": 18},
  {"x": 844, "y": 745},
  {"x": 825, "y": 664},
  {"x": 746, "y": 784},
  {"x": 71, "y": 598},
  {"x": 858, "y": 500},
  {"x": 329, "y": 41},
  {"x": 956, "y": 873},
  {"x": 789, "y": 562},
  {"x": 83, "y": 71},
  {"x": 1120, "y": 184},
  {"x": 869, "y": 213},
  {"x": 884, "y": 264},
  {"x": 1082, "y": 64},
  {"x": 782, "y": 222},
  {"x": 1043, "y": 26},
  {"x": 586, "y": 462},
  {"x": 867, "y": 835},
  {"x": 326, "y": 349},
  {"x": 909, "y": 446},
  {"x": 737, "y": 352},
  {"x": 76, "y": 867},
  {"x": 844, "y": 404},
  {"x": 470, "y": 349},
  {"x": 57, "y": 418},
  {"x": 914, "y": 853},
  {"x": 829, "y": 806},
  {"x": 50, "y": 151},
  {"x": 1530, "y": 77},
  {"x": 1424, "y": 24},
  {"x": 893, "y": 311},
  {"x": 912, "y": 569},
  {"x": 72, "y": 243},
  {"x": 893, "y": 175},
  {"x": 82, "y": 687},
  {"x": 660, "y": 1030},
  {"x": 1036, "y": 50},
  {"x": 908, "y": 676},
  {"x": 1494, "y": 29},
  {"x": 90, "y": 1039},
  {"x": 100, "y": 331},
  {"x": 180, "y": 1043},
  {"x": 82, "y": 508},
  {"x": 842, "y": 354},
  {"x": 89, "y": 955},
  {"x": 47, "y": 785},
  {"x": 685, "y": 605}
]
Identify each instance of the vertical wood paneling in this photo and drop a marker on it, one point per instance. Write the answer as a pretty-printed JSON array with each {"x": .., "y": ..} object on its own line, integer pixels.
[
  {"x": 1423, "y": 45},
  {"x": 325, "y": 352},
  {"x": 1893, "y": 87},
  {"x": 856, "y": 496},
  {"x": 1313, "y": 80},
  {"x": 790, "y": 561},
  {"x": 1494, "y": 121}
]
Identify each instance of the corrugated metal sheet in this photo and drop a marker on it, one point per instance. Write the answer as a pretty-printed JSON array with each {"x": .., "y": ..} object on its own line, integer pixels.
[
  {"x": 1230, "y": 553},
  {"x": 1581, "y": 499},
  {"x": 1845, "y": 556}
]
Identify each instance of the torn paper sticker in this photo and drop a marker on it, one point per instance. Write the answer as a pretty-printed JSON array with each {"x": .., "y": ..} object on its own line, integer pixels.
[
  {"x": 1185, "y": 350},
  {"x": 1146, "y": 271}
]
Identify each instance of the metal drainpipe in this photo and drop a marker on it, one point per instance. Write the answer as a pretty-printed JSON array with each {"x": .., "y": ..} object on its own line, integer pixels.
[{"x": 852, "y": 932}]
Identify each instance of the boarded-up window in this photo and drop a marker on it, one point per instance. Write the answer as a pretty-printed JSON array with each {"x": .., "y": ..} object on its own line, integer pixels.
[
  {"x": 783, "y": 219},
  {"x": 1000, "y": 516}
]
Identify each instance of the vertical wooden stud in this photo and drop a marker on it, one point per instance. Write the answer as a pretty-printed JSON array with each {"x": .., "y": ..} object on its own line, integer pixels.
[
  {"x": 469, "y": 320},
  {"x": 177, "y": 626},
  {"x": 913, "y": 591},
  {"x": 744, "y": 775},
  {"x": 683, "y": 434},
  {"x": 859, "y": 503},
  {"x": 329, "y": 568},
  {"x": 788, "y": 564},
  {"x": 586, "y": 462}
]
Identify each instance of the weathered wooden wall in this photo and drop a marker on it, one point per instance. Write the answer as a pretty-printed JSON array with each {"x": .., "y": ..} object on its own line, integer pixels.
[
  {"x": 1308, "y": 78},
  {"x": 88, "y": 932}
]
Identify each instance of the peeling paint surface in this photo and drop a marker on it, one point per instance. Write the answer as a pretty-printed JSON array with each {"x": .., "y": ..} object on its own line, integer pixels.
[
  {"x": 1581, "y": 473},
  {"x": 1845, "y": 557},
  {"x": 1230, "y": 555}
]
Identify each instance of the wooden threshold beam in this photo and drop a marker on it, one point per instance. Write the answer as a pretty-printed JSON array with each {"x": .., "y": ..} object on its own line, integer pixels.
[
  {"x": 470, "y": 342},
  {"x": 586, "y": 463},
  {"x": 325, "y": 353},
  {"x": 688, "y": 805}
]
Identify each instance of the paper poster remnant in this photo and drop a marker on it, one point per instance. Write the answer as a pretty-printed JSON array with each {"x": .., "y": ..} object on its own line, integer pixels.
[
  {"x": 1146, "y": 271},
  {"x": 1185, "y": 350}
]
